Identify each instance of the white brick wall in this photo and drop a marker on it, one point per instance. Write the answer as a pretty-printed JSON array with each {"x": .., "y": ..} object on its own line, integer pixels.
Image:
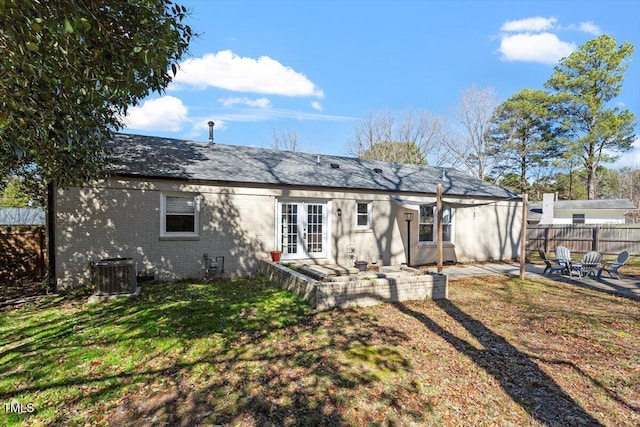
[{"x": 121, "y": 218}]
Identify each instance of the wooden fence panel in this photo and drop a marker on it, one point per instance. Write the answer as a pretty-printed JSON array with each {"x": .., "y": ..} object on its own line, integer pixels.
[
  {"x": 22, "y": 253},
  {"x": 616, "y": 240},
  {"x": 606, "y": 239}
]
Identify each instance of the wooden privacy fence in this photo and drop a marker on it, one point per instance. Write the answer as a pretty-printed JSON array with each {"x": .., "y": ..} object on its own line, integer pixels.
[
  {"x": 22, "y": 253},
  {"x": 606, "y": 239}
]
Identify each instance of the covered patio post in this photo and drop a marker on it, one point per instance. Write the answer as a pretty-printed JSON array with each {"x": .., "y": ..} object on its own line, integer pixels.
[
  {"x": 439, "y": 222},
  {"x": 523, "y": 235}
]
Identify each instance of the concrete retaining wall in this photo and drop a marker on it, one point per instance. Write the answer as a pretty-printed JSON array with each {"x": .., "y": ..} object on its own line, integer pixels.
[{"x": 356, "y": 292}]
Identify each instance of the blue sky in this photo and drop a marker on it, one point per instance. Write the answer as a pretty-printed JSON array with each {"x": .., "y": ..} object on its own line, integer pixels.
[{"x": 316, "y": 67}]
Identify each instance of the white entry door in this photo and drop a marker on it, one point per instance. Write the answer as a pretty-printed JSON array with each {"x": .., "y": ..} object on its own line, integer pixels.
[{"x": 302, "y": 229}]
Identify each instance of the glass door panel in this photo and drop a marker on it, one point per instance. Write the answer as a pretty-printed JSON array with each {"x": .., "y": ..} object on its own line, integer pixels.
[
  {"x": 302, "y": 229},
  {"x": 289, "y": 228},
  {"x": 315, "y": 234}
]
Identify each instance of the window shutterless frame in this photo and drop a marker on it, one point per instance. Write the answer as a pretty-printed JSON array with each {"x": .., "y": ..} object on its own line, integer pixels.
[
  {"x": 179, "y": 215},
  {"x": 363, "y": 220},
  {"x": 427, "y": 224}
]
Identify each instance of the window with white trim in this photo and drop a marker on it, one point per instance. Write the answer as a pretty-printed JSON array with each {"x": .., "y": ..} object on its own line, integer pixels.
[
  {"x": 427, "y": 224},
  {"x": 578, "y": 219},
  {"x": 447, "y": 224},
  {"x": 363, "y": 214},
  {"x": 179, "y": 215}
]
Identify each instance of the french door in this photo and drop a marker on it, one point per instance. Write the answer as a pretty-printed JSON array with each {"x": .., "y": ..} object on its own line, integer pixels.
[{"x": 302, "y": 229}]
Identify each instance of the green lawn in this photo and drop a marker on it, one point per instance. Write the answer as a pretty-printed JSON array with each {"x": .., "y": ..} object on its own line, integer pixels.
[{"x": 242, "y": 352}]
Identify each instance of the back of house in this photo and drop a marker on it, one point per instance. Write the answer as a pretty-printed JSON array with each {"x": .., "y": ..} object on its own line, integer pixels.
[{"x": 184, "y": 209}]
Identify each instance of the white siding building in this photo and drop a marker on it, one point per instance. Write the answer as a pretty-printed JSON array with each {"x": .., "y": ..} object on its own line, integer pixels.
[{"x": 605, "y": 211}]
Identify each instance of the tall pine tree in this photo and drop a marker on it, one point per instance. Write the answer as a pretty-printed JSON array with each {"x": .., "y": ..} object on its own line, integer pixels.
[{"x": 584, "y": 84}]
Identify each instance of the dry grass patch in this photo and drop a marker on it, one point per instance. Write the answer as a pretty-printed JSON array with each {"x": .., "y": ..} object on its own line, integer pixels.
[{"x": 499, "y": 352}]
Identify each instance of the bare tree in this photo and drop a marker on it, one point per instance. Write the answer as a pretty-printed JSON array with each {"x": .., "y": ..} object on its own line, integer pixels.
[
  {"x": 630, "y": 184},
  {"x": 286, "y": 141},
  {"x": 406, "y": 137},
  {"x": 467, "y": 137}
]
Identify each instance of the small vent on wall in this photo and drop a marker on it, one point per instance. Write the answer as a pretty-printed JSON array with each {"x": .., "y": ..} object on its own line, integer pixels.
[{"x": 335, "y": 166}]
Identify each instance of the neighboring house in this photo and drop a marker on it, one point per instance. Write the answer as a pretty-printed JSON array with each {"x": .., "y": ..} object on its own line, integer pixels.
[
  {"x": 168, "y": 202},
  {"x": 552, "y": 211},
  {"x": 14, "y": 217}
]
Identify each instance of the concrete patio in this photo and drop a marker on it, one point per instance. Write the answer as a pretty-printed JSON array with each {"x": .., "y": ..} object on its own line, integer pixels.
[{"x": 626, "y": 286}]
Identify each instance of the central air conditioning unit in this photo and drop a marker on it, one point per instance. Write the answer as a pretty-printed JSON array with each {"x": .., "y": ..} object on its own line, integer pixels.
[{"x": 114, "y": 276}]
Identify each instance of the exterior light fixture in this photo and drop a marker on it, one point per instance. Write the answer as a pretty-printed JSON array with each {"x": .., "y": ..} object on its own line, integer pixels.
[{"x": 339, "y": 212}]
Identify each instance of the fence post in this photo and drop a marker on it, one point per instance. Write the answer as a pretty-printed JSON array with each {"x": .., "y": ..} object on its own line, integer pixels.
[
  {"x": 596, "y": 238},
  {"x": 41, "y": 252},
  {"x": 546, "y": 240}
]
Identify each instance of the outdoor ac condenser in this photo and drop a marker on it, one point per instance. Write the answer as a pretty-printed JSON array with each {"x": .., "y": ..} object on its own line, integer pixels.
[{"x": 114, "y": 276}]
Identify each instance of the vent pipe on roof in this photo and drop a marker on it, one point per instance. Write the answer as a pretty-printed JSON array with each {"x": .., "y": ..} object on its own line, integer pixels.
[{"x": 211, "y": 124}]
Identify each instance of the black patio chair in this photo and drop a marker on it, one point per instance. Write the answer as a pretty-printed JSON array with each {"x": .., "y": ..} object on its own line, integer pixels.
[
  {"x": 548, "y": 263},
  {"x": 544, "y": 258}
]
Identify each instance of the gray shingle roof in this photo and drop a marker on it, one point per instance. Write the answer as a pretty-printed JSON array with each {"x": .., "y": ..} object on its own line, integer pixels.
[
  {"x": 154, "y": 157},
  {"x": 535, "y": 208},
  {"x": 566, "y": 205},
  {"x": 594, "y": 204}
]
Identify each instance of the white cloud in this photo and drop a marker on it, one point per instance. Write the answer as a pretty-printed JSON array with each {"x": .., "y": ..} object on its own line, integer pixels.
[
  {"x": 316, "y": 106},
  {"x": 257, "y": 115},
  {"x": 545, "y": 48},
  {"x": 167, "y": 113},
  {"x": 535, "y": 24},
  {"x": 590, "y": 27},
  {"x": 631, "y": 158},
  {"x": 258, "y": 103},
  {"x": 226, "y": 70}
]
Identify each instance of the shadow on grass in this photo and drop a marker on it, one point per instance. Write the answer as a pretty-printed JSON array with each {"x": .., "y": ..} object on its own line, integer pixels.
[
  {"x": 525, "y": 383},
  {"x": 185, "y": 353}
]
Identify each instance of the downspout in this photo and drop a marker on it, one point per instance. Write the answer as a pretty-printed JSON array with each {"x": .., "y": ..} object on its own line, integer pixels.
[{"x": 51, "y": 235}]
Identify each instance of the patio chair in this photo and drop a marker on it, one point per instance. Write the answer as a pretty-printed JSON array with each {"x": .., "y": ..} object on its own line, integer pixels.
[
  {"x": 612, "y": 267},
  {"x": 548, "y": 263},
  {"x": 563, "y": 258},
  {"x": 588, "y": 265}
]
